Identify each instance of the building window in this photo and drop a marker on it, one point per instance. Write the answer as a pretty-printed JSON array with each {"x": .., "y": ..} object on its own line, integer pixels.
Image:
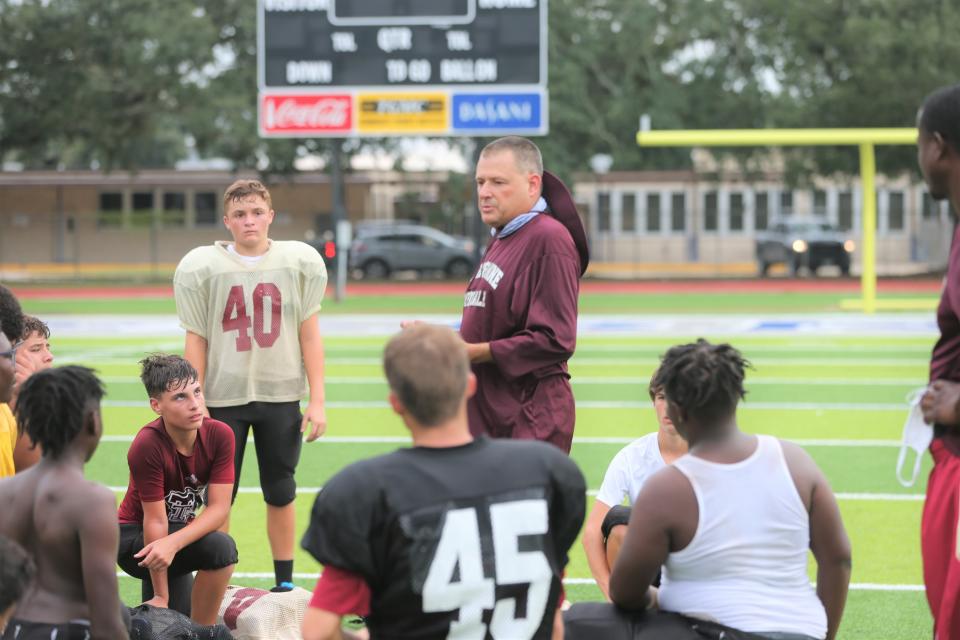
[
  {"x": 736, "y": 212},
  {"x": 710, "y": 216},
  {"x": 819, "y": 202},
  {"x": 895, "y": 216},
  {"x": 930, "y": 207},
  {"x": 653, "y": 212},
  {"x": 110, "y": 213},
  {"x": 205, "y": 207},
  {"x": 786, "y": 203},
  {"x": 845, "y": 210},
  {"x": 678, "y": 212},
  {"x": 761, "y": 211},
  {"x": 628, "y": 212},
  {"x": 174, "y": 211},
  {"x": 142, "y": 208}
]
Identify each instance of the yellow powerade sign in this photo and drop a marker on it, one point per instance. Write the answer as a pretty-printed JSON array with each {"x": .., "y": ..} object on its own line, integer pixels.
[{"x": 387, "y": 113}]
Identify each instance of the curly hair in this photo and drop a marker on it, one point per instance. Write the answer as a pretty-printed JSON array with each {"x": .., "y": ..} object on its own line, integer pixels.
[
  {"x": 53, "y": 405},
  {"x": 33, "y": 324},
  {"x": 11, "y": 316},
  {"x": 703, "y": 379}
]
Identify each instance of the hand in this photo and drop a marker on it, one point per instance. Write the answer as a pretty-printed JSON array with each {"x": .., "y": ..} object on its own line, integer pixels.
[
  {"x": 654, "y": 595},
  {"x": 25, "y": 367},
  {"x": 939, "y": 403},
  {"x": 159, "y": 602},
  {"x": 316, "y": 416},
  {"x": 158, "y": 554}
]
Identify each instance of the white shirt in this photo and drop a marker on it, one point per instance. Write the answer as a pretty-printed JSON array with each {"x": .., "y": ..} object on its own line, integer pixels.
[{"x": 629, "y": 469}]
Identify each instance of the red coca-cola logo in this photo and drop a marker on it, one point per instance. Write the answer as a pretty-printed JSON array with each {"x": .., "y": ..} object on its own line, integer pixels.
[{"x": 305, "y": 114}]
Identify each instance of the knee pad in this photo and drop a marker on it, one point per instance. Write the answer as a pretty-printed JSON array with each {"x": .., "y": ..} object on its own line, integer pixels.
[
  {"x": 279, "y": 492},
  {"x": 618, "y": 515}
]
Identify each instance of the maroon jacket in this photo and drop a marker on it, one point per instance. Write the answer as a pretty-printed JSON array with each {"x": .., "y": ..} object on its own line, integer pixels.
[{"x": 523, "y": 301}]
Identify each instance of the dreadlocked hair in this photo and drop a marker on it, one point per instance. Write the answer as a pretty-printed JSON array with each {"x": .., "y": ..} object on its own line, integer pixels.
[
  {"x": 11, "y": 317},
  {"x": 703, "y": 379},
  {"x": 53, "y": 405}
]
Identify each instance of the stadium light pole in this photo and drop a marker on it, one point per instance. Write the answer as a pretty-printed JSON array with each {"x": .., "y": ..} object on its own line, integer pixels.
[{"x": 865, "y": 139}]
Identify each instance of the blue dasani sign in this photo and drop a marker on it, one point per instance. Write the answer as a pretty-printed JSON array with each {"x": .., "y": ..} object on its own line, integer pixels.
[{"x": 498, "y": 112}]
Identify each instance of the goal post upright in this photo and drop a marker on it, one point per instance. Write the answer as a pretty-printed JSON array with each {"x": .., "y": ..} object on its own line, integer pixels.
[{"x": 865, "y": 139}]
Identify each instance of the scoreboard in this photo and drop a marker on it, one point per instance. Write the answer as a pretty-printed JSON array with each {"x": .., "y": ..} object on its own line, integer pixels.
[{"x": 402, "y": 67}]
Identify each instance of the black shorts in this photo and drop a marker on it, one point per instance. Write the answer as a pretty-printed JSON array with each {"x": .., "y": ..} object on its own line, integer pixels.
[
  {"x": 277, "y": 439},
  {"x": 617, "y": 515},
  {"x": 215, "y": 550},
  {"x": 25, "y": 630}
]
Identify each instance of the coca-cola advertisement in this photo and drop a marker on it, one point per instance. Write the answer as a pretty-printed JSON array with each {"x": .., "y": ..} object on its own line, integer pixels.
[{"x": 296, "y": 115}]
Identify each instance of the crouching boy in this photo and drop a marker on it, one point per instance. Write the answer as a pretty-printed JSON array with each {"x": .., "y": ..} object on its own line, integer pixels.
[{"x": 179, "y": 462}]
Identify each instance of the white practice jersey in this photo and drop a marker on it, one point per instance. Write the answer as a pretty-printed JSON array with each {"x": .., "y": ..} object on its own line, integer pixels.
[{"x": 250, "y": 316}]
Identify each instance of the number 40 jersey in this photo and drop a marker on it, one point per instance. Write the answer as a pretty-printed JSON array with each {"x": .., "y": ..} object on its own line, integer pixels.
[
  {"x": 459, "y": 542},
  {"x": 250, "y": 316}
]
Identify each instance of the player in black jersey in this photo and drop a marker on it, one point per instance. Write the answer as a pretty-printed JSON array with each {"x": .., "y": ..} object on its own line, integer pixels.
[{"x": 454, "y": 537}]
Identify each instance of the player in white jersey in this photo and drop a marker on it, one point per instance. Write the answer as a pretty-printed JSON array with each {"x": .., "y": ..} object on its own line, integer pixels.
[{"x": 249, "y": 308}]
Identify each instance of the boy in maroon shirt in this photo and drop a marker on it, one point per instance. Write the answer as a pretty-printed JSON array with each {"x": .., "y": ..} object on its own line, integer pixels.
[
  {"x": 178, "y": 463},
  {"x": 520, "y": 309}
]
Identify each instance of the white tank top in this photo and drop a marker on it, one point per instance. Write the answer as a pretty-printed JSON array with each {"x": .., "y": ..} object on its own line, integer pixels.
[{"x": 746, "y": 566}]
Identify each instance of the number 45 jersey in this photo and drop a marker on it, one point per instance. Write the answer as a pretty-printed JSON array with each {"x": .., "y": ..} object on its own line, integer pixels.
[
  {"x": 250, "y": 316},
  {"x": 462, "y": 542}
]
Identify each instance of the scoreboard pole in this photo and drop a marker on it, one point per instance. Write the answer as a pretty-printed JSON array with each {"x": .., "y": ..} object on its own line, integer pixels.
[{"x": 865, "y": 139}]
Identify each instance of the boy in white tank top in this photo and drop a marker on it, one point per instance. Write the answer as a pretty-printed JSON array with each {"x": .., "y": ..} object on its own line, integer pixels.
[{"x": 732, "y": 520}]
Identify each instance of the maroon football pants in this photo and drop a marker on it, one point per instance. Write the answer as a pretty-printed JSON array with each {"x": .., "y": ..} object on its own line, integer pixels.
[{"x": 938, "y": 541}]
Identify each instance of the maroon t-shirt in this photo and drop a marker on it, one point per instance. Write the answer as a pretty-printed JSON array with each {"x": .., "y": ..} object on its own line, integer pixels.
[
  {"x": 159, "y": 472},
  {"x": 523, "y": 301},
  {"x": 945, "y": 361}
]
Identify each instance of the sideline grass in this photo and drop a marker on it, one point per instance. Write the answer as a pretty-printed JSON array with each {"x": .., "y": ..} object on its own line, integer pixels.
[{"x": 885, "y": 532}]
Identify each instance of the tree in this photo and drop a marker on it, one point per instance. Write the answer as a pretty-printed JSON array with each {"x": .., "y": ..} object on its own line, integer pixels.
[{"x": 99, "y": 80}]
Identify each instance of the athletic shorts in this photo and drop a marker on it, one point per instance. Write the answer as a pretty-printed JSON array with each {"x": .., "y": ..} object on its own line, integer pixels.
[
  {"x": 215, "y": 550},
  {"x": 618, "y": 515},
  {"x": 277, "y": 440},
  {"x": 24, "y": 630}
]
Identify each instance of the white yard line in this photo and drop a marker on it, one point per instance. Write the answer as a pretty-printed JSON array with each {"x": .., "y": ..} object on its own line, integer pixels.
[
  {"x": 803, "y": 442},
  {"x": 624, "y": 404},
  {"x": 858, "y": 497},
  {"x": 855, "y": 586},
  {"x": 632, "y": 380}
]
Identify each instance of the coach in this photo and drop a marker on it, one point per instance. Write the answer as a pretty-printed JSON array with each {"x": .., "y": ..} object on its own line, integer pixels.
[{"x": 520, "y": 309}]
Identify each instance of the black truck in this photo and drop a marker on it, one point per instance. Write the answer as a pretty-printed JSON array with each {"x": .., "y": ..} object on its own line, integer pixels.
[{"x": 803, "y": 243}]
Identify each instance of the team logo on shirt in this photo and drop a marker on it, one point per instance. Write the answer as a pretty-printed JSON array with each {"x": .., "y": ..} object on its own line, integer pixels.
[
  {"x": 475, "y": 299},
  {"x": 491, "y": 273},
  {"x": 182, "y": 505}
]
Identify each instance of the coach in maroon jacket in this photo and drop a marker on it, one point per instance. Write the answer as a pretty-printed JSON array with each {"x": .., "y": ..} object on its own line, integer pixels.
[{"x": 520, "y": 309}]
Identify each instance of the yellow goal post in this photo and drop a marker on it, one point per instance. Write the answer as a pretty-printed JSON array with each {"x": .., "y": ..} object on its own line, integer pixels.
[{"x": 865, "y": 139}]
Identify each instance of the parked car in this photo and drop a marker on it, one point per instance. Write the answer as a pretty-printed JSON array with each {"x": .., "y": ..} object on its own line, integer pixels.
[
  {"x": 381, "y": 249},
  {"x": 803, "y": 243}
]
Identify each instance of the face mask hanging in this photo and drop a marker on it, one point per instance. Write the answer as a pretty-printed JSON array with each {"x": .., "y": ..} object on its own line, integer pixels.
[{"x": 917, "y": 435}]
